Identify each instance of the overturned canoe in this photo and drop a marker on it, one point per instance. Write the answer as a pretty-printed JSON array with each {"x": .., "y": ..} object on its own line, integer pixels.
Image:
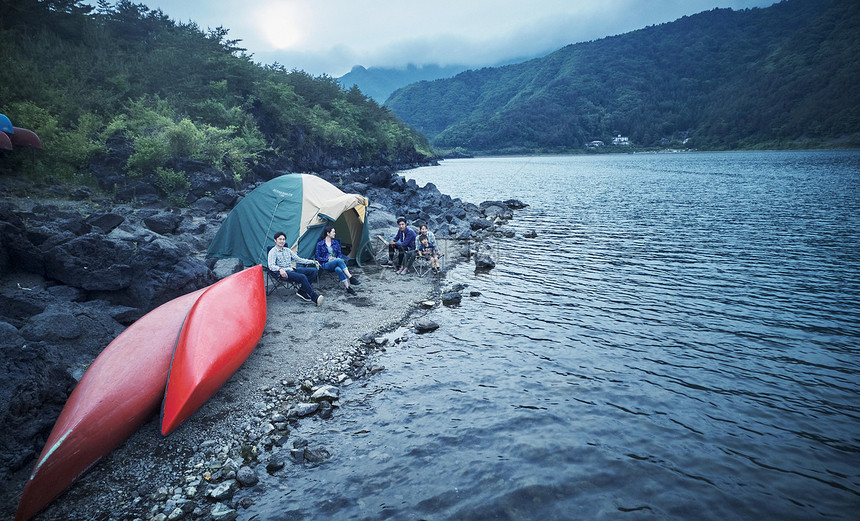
[
  {"x": 24, "y": 137},
  {"x": 220, "y": 331},
  {"x": 121, "y": 390}
]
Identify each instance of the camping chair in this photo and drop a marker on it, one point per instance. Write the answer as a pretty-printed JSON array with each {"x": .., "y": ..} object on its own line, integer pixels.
[
  {"x": 380, "y": 250},
  {"x": 422, "y": 264},
  {"x": 274, "y": 280}
]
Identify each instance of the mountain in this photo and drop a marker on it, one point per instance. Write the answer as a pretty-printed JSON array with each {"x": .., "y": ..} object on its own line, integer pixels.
[
  {"x": 778, "y": 77},
  {"x": 378, "y": 82}
]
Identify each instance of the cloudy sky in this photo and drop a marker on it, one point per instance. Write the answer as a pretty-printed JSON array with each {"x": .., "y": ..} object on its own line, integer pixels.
[{"x": 330, "y": 36}]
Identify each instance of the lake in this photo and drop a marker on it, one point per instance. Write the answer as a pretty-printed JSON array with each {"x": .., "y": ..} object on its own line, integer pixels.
[{"x": 681, "y": 340}]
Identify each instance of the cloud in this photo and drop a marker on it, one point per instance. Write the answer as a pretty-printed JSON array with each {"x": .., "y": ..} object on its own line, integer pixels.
[{"x": 331, "y": 36}]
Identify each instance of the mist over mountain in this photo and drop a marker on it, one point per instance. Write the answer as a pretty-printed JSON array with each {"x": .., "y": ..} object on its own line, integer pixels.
[
  {"x": 778, "y": 77},
  {"x": 379, "y": 82}
]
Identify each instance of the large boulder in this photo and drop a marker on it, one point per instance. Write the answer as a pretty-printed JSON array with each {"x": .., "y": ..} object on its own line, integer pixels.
[{"x": 91, "y": 262}]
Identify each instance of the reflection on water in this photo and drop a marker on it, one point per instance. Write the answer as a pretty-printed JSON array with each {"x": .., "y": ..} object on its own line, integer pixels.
[{"x": 679, "y": 341}]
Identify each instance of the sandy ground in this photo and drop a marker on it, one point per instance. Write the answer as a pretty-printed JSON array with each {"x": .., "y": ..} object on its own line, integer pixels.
[{"x": 301, "y": 342}]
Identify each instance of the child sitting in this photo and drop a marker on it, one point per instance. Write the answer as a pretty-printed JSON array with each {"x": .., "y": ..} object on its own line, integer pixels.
[{"x": 425, "y": 248}]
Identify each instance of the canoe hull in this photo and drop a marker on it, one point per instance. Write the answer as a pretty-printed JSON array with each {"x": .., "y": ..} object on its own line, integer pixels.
[
  {"x": 25, "y": 138},
  {"x": 220, "y": 331},
  {"x": 121, "y": 390}
]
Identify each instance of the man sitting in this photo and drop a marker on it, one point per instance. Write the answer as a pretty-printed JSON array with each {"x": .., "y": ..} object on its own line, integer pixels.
[
  {"x": 281, "y": 261},
  {"x": 402, "y": 244}
]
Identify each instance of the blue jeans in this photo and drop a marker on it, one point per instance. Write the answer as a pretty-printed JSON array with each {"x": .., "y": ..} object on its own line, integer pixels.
[
  {"x": 337, "y": 266},
  {"x": 304, "y": 277}
]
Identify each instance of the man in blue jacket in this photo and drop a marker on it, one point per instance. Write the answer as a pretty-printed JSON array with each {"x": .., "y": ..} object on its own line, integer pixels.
[{"x": 403, "y": 244}]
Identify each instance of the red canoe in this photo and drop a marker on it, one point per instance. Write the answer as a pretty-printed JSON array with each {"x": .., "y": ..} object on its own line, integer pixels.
[
  {"x": 219, "y": 333},
  {"x": 121, "y": 390},
  {"x": 25, "y": 138},
  {"x": 5, "y": 141}
]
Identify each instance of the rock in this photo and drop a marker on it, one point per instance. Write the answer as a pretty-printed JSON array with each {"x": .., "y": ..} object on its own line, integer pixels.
[
  {"x": 480, "y": 224},
  {"x": 64, "y": 292},
  {"x": 498, "y": 211},
  {"x": 425, "y": 325},
  {"x": 222, "y": 491},
  {"x": 247, "y": 477},
  {"x": 226, "y": 267},
  {"x": 316, "y": 455},
  {"x": 305, "y": 409},
  {"x": 484, "y": 262},
  {"x": 325, "y": 410},
  {"x": 105, "y": 221},
  {"x": 452, "y": 298},
  {"x": 91, "y": 262},
  {"x": 326, "y": 392},
  {"x": 275, "y": 464},
  {"x": 531, "y": 234},
  {"x": 516, "y": 204},
  {"x": 427, "y": 304},
  {"x": 163, "y": 223},
  {"x": 221, "y": 512},
  {"x": 52, "y": 324}
]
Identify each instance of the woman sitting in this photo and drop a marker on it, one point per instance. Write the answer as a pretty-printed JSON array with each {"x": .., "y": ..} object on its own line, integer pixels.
[{"x": 328, "y": 254}]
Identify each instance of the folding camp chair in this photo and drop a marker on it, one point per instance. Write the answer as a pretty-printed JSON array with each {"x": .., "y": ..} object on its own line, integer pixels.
[
  {"x": 274, "y": 280},
  {"x": 380, "y": 250},
  {"x": 422, "y": 264}
]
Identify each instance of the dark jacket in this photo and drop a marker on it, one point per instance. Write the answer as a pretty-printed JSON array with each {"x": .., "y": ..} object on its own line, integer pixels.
[
  {"x": 405, "y": 239},
  {"x": 322, "y": 250}
]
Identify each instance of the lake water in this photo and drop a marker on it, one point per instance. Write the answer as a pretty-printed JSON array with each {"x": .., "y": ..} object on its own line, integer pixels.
[{"x": 680, "y": 341}]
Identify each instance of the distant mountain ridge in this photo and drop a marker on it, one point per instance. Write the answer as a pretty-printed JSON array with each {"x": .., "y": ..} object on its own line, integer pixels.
[
  {"x": 777, "y": 77},
  {"x": 378, "y": 82}
]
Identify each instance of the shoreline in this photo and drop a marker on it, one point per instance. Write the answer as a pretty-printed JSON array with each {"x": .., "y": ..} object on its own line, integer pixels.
[{"x": 155, "y": 477}]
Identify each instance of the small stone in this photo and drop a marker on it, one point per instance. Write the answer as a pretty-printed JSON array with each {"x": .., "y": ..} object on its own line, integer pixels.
[
  {"x": 222, "y": 491},
  {"x": 424, "y": 325},
  {"x": 221, "y": 512},
  {"x": 316, "y": 455},
  {"x": 275, "y": 464},
  {"x": 325, "y": 410},
  {"x": 305, "y": 409},
  {"x": 326, "y": 392},
  {"x": 428, "y": 304},
  {"x": 247, "y": 477},
  {"x": 452, "y": 298}
]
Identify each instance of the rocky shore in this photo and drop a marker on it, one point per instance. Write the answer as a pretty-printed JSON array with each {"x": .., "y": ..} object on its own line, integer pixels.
[{"x": 77, "y": 268}]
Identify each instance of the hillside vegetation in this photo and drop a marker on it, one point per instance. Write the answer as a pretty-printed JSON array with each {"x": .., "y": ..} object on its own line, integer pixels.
[
  {"x": 779, "y": 77},
  {"x": 122, "y": 80}
]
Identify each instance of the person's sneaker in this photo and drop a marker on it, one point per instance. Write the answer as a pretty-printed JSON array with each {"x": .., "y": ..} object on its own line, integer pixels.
[
  {"x": 302, "y": 296},
  {"x": 354, "y": 280},
  {"x": 351, "y": 291},
  {"x": 319, "y": 300}
]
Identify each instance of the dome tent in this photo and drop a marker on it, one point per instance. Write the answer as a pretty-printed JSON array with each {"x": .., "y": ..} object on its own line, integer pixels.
[{"x": 299, "y": 205}]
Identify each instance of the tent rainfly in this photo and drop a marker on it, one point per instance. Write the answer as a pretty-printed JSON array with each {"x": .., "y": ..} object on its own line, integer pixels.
[{"x": 299, "y": 205}]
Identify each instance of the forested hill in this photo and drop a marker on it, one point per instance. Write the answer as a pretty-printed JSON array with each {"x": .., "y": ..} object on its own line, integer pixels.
[
  {"x": 778, "y": 77},
  {"x": 125, "y": 84}
]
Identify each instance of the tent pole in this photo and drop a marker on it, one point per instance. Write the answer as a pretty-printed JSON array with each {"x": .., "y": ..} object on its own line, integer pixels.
[{"x": 265, "y": 237}]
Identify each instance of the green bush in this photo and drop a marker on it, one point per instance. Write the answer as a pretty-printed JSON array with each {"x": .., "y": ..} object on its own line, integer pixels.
[
  {"x": 174, "y": 184},
  {"x": 150, "y": 153}
]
